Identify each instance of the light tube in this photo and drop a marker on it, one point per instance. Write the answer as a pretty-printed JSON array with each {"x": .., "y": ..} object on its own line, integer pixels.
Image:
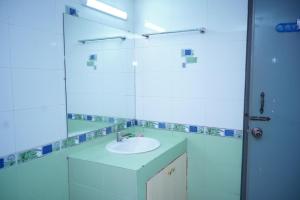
[{"x": 106, "y": 9}]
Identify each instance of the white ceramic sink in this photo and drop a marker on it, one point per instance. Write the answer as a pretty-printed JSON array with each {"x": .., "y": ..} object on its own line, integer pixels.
[{"x": 133, "y": 145}]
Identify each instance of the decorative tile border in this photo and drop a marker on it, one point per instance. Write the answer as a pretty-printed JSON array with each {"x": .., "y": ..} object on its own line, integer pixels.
[
  {"x": 95, "y": 118},
  {"x": 38, "y": 152},
  {"x": 8, "y": 161},
  {"x": 192, "y": 129},
  {"x": 44, "y": 150}
]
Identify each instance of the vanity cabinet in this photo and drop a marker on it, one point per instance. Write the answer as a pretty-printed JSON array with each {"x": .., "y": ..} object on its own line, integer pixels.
[
  {"x": 170, "y": 183},
  {"x": 97, "y": 174}
]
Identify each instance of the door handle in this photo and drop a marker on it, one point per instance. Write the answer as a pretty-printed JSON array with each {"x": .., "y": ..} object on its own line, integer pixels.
[
  {"x": 260, "y": 118},
  {"x": 262, "y": 103}
]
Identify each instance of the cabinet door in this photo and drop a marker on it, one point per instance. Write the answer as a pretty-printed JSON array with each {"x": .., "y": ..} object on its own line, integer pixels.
[{"x": 170, "y": 183}]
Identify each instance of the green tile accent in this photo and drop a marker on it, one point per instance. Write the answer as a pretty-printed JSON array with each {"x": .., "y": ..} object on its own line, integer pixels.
[
  {"x": 69, "y": 142},
  {"x": 150, "y": 124},
  {"x": 98, "y": 119},
  {"x": 27, "y": 155},
  {"x": 180, "y": 127},
  {"x": 191, "y": 59},
  {"x": 213, "y": 131},
  {"x": 78, "y": 116}
]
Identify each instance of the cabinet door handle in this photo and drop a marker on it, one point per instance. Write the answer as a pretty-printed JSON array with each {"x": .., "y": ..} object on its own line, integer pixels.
[{"x": 171, "y": 171}]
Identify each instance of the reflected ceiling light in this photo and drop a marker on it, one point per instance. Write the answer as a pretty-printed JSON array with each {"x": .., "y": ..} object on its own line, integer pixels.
[
  {"x": 134, "y": 63},
  {"x": 153, "y": 27},
  {"x": 106, "y": 9}
]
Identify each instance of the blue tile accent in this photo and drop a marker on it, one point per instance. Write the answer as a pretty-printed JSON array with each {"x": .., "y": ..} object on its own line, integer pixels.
[
  {"x": 111, "y": 120},
  {"x": 82, "y": 138},
  {"x": 193, "y": 129},
  {"x": 70, "y": 116},
  {"x": 229, "y": 132},
  {"x": 47, "y": 149},
  {"x": 73, "y": 11},
  {"x": 161, "y": 125},
  {"x": 128, "y": 124},
  {"x": 188, "y": 52},
  {"x": 1, "y": 163},
  {"x": 108, "y": 130},
  {"x": 89, "y": 117},
  {"x": 93, "y": 57}
]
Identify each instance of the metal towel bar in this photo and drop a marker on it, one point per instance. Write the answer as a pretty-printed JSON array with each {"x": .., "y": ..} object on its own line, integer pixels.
[
  {"x": 101, "y": 39},
  {"x": 200, "y": 30}
]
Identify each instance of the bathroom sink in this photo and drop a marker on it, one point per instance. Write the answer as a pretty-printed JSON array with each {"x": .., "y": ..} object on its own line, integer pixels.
[{"x": 133, "y": 145}]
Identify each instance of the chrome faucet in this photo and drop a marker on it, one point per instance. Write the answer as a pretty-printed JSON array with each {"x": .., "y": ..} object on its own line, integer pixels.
[{"x": 119, "y": 137}]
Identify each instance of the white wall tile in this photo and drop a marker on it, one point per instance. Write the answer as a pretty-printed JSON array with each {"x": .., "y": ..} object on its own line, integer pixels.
[
  {"x": 156, "y": 108},
  {"x": 36, "y": 88},
  {"x": 119, "y": 60},
  {"x": 39, "y": 126},
  {"x": 208, "y": 93},
  {"x": 188, "y": 111},
  {"x": 7, "y": 134},
  {"x": 156, "y": 84},
  {"x": 6, "y": 90},
  {"x": 139, "y": 84},
  {"x": 227, "y": 16},
  {"x": 225, "y": 54},
  {"x": 102, "y": 104},
  {"x": 224, "y": 113},
  {"x": 32, "y": 45},
  {"x": 139, "y": 107},
  {"x": 156, "y": 58},
  {"x": 108, "y": 89},
  {"x": 36, "y": 49},
  {"x": 189, "y": 84},
  {"x": 170, "y": 14},
  {"x": 5, "y": 45},
  {"x": 33, "y": 14},
  {"x": 118, "y": 84},
  {"x": 228, "y": 85}
]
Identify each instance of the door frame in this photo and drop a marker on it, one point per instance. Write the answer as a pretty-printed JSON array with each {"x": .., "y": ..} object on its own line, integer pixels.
[{"x": 249, "y": 54}]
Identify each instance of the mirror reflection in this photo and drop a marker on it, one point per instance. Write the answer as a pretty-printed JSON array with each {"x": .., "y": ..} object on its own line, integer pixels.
[{"x": 99, "y": 75}]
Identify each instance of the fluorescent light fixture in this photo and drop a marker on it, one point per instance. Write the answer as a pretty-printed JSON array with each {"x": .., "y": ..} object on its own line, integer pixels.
[
  {"x": 106, "y": 9},
  {"x": 154, "y": 27}
]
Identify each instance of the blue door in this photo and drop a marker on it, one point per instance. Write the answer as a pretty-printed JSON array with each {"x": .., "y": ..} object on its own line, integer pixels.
[{"x": 272, "y": 121}]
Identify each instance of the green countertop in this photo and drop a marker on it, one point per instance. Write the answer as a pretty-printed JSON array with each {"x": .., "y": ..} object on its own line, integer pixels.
[{"x": 99, "y": 154}]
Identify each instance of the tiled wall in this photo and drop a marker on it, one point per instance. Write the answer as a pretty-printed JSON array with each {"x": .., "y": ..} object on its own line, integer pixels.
[
  {"x": 32, "y": 70},
  {"x": 107, "y": 87},
  {"x": 209, "y": 92}
]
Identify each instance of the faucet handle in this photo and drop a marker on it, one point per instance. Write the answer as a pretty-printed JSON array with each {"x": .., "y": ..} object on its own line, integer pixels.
[{"x": 119, "y": 136}]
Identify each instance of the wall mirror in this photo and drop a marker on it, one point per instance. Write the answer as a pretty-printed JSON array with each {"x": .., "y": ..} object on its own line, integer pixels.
[{"x": 100, "y": 85}]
